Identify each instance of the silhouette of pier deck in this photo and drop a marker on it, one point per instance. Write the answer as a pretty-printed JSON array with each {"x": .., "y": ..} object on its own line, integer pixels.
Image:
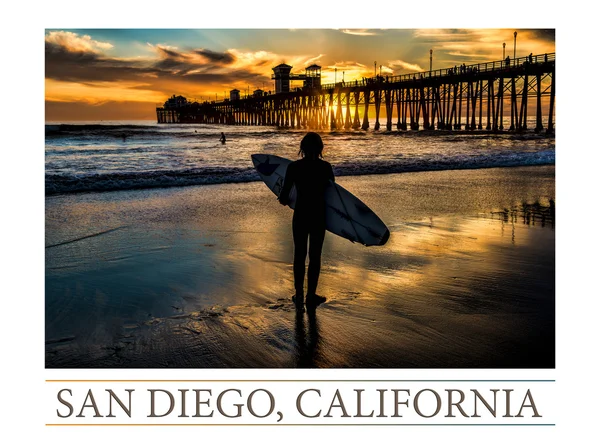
[{"x": 473, "y": 97}]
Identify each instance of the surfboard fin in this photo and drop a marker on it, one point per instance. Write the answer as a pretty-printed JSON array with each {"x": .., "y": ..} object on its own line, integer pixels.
[{"x": 385, "y": 238}]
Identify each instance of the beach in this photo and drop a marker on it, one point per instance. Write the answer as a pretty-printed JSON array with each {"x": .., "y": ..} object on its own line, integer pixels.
[{"x": 201, "y": 277}]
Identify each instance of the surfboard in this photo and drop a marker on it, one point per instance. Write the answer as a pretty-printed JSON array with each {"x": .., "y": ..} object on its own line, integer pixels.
[{"x": 345, "y": 214}]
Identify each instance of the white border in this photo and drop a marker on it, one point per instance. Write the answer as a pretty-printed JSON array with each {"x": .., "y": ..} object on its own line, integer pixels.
[{"x": 23, "y": 209}]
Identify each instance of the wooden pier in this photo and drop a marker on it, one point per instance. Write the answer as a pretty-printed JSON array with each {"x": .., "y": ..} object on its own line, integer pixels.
[{"x": 473, "y": 97}]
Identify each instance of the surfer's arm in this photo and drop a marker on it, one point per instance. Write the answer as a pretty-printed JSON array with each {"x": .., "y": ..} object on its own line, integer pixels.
[
  {"x": 284, "y": 195},
  {"x": 331, "y": 176}
]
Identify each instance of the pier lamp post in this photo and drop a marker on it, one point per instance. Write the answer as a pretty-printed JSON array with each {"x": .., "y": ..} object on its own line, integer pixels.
[
  {"x": 375, "y": 73},
  {"x": 503, "y": 51},
  {"x": 335, "y": 75},
  {"x": 430, "y": 61},
  {"x": 515, "y": 50},
  {"x": 343, "y": 72}
]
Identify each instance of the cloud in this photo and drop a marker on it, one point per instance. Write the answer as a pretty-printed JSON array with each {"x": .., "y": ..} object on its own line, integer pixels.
[
  {"x": 169, "y": 51},
  {"x": 433, "y": 35},
  {"x": 216, "y": 57},
  {"x": 64, "y": 65},
  {"x": 95, "y": 78},
  {"x": 361, "y": 32},
  {"x": 482, "y": 45},
  {"x": 400, "y": 64},
  {"x": 252, "y": 60},
  {"x": 313, "y": 60},
  {"x": 346, "y": 70},
  {"x": 348, "y": 65},
  {"x": 261, "y": 62},
  {"x": 545, "y": 34},
  {"x": 73, "y": 42}
]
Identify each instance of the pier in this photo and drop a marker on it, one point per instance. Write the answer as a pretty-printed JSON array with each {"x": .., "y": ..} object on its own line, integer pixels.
[{"x": 466, "y": 97}]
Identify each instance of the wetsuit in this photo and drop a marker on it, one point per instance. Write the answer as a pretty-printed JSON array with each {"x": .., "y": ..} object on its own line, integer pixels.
[{"x": 311, "y": 177}]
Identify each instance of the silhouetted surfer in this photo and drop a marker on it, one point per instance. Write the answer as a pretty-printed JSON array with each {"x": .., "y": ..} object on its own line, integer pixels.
[
  {"x": 222, "y": 139},
  {"x": 311, "y": 176}
]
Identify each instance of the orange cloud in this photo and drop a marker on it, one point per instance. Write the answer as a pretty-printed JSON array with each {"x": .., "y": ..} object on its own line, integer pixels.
[
  {"x": 346, "y": 70},
  {"x": 479, "y": 45},
  {"x": 402, "y": 65},
  {"x": 360, "y": 32}
]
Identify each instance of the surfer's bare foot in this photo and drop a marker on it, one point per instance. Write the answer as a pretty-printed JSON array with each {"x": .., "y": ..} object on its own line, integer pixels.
[
  {"x": 298, "y": 301},
  {"x": 314, "y": 300}
]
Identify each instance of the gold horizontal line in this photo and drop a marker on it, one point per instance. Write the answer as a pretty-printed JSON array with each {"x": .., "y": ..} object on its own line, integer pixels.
[{"x": 301, "y": 424}]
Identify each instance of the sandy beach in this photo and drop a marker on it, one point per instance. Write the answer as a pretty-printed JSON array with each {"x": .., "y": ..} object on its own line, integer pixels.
[{"x": 201, "y": 276}]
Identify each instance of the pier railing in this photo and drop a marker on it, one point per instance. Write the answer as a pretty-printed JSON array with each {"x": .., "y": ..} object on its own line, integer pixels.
[{"x": 493, "y": 66}]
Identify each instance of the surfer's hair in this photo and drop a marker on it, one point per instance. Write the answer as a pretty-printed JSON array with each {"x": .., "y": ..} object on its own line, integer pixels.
[{"x": 311, "y": 146}]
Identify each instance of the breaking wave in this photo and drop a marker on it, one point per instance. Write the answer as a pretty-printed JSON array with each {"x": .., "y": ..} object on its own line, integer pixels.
[{"x": 89, "y": 182}]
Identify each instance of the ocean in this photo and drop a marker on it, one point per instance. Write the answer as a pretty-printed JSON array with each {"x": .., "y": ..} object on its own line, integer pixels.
[{"x": 114, "y": 156}]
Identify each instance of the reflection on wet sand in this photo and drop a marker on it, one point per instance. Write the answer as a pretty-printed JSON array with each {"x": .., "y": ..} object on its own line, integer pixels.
[
  {"x": 307, "y": 339},
  {"x": 457, "y": 293},
  {"x": 178, "y": 287}
]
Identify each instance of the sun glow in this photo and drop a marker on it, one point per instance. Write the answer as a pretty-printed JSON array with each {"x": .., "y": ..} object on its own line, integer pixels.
[{"x": 99, "y": 92}]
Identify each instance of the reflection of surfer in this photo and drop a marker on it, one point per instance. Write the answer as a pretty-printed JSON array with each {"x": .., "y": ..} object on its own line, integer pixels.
[
  {"x": 311, "y": 176},
  {"x": 222, "y": 139}
]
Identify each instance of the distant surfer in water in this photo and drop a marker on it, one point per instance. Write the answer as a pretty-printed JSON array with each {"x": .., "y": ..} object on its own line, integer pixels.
[
  {"x": 223, "y": 139},
  {"x": 311, "y": 175}
]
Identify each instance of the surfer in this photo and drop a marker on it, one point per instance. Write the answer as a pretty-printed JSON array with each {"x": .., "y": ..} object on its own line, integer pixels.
[
  {"x": 222, "y": 139},
  {"x": 311, "y": 175}
]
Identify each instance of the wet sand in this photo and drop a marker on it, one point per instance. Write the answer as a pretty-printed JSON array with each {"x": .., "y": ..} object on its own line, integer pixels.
[{"x": 201, "y": 277}]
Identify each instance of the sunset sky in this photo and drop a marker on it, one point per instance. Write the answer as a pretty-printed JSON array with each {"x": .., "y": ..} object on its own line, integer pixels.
[{"x": 123, "y": 74}]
